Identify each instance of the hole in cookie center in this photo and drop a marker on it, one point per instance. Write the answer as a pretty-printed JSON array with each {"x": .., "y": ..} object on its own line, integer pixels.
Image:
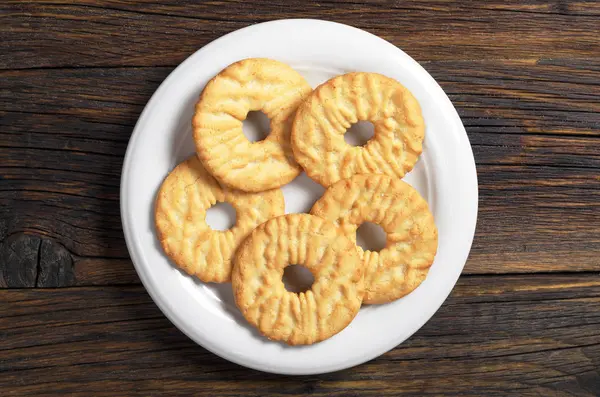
[
  {"x": 297, "y": 278},
  {"x": 371, "y": 237},
  {"x": 257, "y": 126},
  {"x": 221, "y": 216},
  {"x": 360, "y": 133}
]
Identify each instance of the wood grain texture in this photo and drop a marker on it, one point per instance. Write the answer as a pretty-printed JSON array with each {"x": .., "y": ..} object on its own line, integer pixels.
[
  {"x": 55, "y": 265},
  {"x": 120, "y": 32},
  {"x": 544, "y": 96},
  {"x": 65, "y": 132},
  {"x": 19, "y": 260},
  {"x": 26, "y": 260},
  {"x": 501, "y": 336}
]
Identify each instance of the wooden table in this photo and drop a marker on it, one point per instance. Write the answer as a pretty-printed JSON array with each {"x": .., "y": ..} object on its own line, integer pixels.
[{"x": 524, "y": 319}]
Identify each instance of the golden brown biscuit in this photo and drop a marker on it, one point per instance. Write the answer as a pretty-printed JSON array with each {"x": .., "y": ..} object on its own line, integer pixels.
[
  {"x": 323, "y": 119},
  {"x": 252, "y": 84},
  {"x": 183, "y": 199},
  {"x": 307, "y": 317},
  {"x": 398, "y": 208}
]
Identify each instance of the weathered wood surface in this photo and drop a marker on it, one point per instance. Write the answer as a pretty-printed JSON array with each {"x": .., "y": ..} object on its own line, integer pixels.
[
  {"x": 524, "y": 319},
  {"x": 495, "y": 336},
  {"x": 57, "y": 33}
]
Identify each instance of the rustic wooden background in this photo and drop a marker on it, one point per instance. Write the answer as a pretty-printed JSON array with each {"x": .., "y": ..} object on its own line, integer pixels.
[{"x": 524, "y": 318}]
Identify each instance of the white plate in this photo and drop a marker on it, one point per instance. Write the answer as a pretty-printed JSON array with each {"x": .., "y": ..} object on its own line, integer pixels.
[{"x": 445, "y": 175}]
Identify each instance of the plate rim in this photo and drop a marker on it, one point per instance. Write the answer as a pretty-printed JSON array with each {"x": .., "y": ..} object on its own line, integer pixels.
[{"x": 469, "y": 167}]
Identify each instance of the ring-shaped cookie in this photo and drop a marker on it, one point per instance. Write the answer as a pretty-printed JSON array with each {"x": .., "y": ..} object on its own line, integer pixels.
[
  {"x": 180, "y": 216},
  {"x": 298, "y": 318},
  {"x": 323, "y": 119},
  {"x": 251, "y": 84},
  {"x": 412, "y": 236}
]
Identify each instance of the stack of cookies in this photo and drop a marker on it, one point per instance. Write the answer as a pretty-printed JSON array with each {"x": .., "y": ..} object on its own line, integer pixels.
[{"x": 307, "y": 134}]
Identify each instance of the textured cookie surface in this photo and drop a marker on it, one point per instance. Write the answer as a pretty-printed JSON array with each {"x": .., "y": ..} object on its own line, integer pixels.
[
  {"x": 180, "y": 215},
  {"x": 323, "y": 119},
  {"x": 298, "y": 318},
  {"x": 412, "y": 236},
  {"x": 252, "y": 84}
]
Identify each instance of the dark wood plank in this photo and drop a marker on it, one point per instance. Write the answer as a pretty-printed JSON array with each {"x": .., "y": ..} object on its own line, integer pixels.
[
  {"x": 536, "y": 219},
  {"x": 495, "y": 336},
  {"x": 59, "y": 33},
  {"x": 535, "y": 143},
  {"x": 555, "y": 96}
]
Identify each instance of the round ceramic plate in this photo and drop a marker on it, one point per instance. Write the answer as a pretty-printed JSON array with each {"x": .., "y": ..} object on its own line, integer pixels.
[{"x": 445, "y": 175}]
